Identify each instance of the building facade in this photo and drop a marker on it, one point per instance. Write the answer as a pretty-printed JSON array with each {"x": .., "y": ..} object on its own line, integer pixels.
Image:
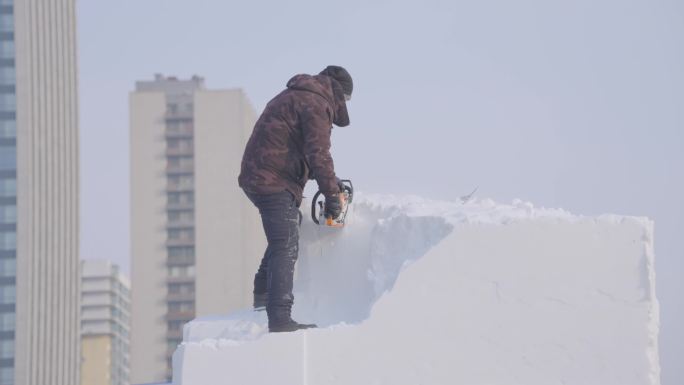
[
  {"x": 105, "y": 324},
  {"x": 196, "y": 240},
  {"x": 39, "y": 261}
]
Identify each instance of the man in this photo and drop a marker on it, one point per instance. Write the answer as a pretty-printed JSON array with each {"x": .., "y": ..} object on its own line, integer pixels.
[{"x": 290, "y": 144}]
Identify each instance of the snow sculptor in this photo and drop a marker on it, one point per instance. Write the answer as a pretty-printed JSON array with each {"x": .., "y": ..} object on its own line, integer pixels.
[{"x": 289, "y": 145}]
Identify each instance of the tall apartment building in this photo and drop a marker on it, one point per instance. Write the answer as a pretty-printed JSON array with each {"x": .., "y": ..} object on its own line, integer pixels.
[
  {"x": 105, "y": 324},
  {"x": 196, "y": 240},
  {"x": 39, "y": 261}
]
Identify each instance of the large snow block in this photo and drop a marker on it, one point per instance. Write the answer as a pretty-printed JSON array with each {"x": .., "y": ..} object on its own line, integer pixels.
[
  {"x": 448, "y": 294},
  {"x": 223, "y": 362}
]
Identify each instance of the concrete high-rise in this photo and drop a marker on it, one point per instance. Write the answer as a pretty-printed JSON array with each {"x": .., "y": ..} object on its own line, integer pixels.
[
  {"x": 196, "y": 240},
  {"x": 105, "y": 324},
  {"x": 39, "y": 256}
]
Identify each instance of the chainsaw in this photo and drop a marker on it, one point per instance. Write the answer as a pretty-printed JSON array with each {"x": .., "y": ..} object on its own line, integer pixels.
[{"x": 318, "y": 206}]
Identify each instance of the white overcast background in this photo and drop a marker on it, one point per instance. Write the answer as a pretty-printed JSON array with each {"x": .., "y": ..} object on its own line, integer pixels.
[{"x": 573, "y": 104}]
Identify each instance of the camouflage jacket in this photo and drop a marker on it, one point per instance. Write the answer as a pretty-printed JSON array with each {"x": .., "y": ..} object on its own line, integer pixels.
[{"x": 290, "y": 143}]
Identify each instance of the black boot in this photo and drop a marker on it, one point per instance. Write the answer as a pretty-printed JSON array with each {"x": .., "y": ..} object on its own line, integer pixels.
[
  {"x": 288, "y": 326},
  {"x": 260, "y": 301}
]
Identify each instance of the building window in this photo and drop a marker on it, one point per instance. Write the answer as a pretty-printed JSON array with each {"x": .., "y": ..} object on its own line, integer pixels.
[
  {"x": 7, "y": 49},
  {"x": 174, "y": 161},
  {"x": 186, "y": 197},
  {"x": 186, "y": 234},
  {"x": 7, "y": 52},
  {"x": 8, "y": 157},
  {"x": 175, "y": 326},
  {"x": 8, "y": 102},
  {"x": 8, "y": 214},
  {"x": 7, "y": 322},
  {"x": 181, "y": 251},
  {"x": 173, "y": 143},
  {"x": 6, "y": 376},
  {"x": 8, "y": 240},
  {"x": 185, "y": 215},
  {"x": 173, "y": 198},
  {"x": 8, "y": 294},
  {"x": 183, "y": 144},
  {"x": 6, "y": 22},
  {"x": 180, "y": 161},
  {"x": 8, "y": 267},
  {"x": 6, "y": 349},
  {"x": 181, "y": 180},
  {"x": 8, "y": 128},
  {"x": 181, "y": 307},
  {"x": 181, "y": 288},
  {"x": 174, "y": 288},
  {"x": 181, "y": 271},
  {"x": 7, "y": 76},
  {"x": 184, "y": 126},
  {"x": 8, "y": 188}
]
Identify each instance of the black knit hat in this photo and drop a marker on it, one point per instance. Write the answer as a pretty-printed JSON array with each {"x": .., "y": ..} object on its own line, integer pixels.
[{"x": 342, "y": 76}]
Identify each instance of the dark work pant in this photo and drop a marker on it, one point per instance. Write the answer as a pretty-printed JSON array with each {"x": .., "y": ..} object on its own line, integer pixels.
[{"x": 281, "y": 218}]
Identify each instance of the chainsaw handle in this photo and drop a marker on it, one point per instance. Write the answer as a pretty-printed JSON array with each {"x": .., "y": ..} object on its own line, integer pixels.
[
  {"x": 347, "y": 186},
  {"x": 313, "y": 207}
]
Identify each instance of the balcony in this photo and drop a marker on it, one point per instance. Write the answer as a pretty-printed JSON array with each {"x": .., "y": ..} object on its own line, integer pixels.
[
  {"x": 180, "y": 315},
  {"x": 179, "y": 115},
  {"x": 179, "y": 132},
  {"x": 179, "y": 151},
  {"x": 105, "y": 299},
  {"x": 180, "y": 205},
  {"x": 180, "y": 224},
  {"x": 96, "y": 285},
  {"x": 181, "y": 279},
  {"x": 179, "y": 187},
  {"x": 180, "y": 169},
  {"x": 189, "y": 241},
  {"x": 180, "y": 260},
  {"x": 180, "y": 297}
]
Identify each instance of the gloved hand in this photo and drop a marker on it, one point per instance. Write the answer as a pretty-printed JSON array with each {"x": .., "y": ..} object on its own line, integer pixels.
[{"x": 333, "y": 206}]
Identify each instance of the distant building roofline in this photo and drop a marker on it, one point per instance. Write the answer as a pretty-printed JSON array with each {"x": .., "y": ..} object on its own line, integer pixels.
[{"x": 170, "y": 84}]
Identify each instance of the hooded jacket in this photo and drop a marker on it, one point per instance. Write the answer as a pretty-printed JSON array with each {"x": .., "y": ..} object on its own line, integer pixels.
[{"x": 290, "y": 143}]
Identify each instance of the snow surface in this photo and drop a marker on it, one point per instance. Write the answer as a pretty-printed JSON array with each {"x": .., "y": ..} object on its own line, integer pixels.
[{"x": 414, "y": 291}]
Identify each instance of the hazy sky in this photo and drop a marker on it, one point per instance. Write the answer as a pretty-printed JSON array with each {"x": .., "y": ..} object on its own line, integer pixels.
[{"x": 575, "y": 104}]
